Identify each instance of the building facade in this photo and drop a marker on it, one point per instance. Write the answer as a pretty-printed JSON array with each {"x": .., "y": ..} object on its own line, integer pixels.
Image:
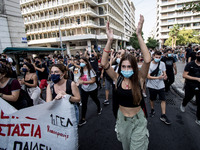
[
  {"x": 168, "y": 14},
  {"x": 81, "y": 23},
  {"x": 12, "y": 29}
]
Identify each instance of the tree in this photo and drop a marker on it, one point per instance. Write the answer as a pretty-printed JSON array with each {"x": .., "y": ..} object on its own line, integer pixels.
[
  {"x": 188, "y": 36},
  {"x": 184, "y": 37},
  {"x": 173, "y": 34},
  {"x": 194, "y": 7},
  {"x": 171, "y": 41},
  {"x": 152, "y": 43},
  {"x": 134, "y": 41}
]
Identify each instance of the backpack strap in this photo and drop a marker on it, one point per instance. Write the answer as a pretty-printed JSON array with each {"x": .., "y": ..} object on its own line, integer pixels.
[
  {"x": 10, "y": 81},
  {"x": 119, "y": 81},
  {"x": 68, "y": 86},
  {"x": 51, "y": 87}
]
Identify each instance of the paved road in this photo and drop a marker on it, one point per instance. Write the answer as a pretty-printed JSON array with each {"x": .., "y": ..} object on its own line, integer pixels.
[{"x": 183, "y": 133}]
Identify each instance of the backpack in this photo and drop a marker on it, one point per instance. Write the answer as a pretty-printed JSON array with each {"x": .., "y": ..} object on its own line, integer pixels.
[
  {"x": 142, "y": 103},
  {"x": 24, "y": 100}
]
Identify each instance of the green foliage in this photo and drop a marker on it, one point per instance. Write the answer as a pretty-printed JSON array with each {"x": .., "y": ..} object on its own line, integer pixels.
[
  {"x": 173, "y": 36},
  {"x": 134, "y": 41},
  {"x": 184, "y": 37},
  {"x": 188, "y": 36},
  {"x": 152, "y": 43},
  {"x": 194, "y": 7}
]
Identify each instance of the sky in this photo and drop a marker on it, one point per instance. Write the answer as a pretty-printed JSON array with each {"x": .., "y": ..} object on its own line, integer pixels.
[{"x": 148, "y": 9}]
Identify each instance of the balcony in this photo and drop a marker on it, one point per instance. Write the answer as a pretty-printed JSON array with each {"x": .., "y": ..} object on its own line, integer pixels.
[
  {"x": 68, "y": 26},
  {"x": 96, "y": 2}
]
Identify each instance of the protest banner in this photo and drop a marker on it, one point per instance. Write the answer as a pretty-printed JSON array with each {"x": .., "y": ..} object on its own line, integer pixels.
[{"x": 49, "y": 126}]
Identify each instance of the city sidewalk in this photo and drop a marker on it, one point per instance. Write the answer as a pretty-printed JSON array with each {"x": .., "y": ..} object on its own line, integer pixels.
[{"x": 178, "y": 84}]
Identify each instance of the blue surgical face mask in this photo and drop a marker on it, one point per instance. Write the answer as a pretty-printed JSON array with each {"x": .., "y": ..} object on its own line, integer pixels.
[
  {"x": 55, "y": 78},
  {"x": 156, "y": 60},
  {"x": 169, "y": 55},
  {"x": 24, "y": 70},
  {"x": 127, "y": 73},
  {"x": 118, "y": 60},
  {"x": 82, "y": 64}
]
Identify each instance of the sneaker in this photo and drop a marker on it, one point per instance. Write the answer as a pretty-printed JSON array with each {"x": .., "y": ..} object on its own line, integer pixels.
[
  {"x": 182, "y": 108},
  {"x": 106, "y": 102},
  {"x": 152, "y": 113},
  {"x": 81, "y": 122},
  {"x": 99, "y": 112},
  {"x": 144, "y": 95},
  {"x": 165, "y": 119},
  {"x": 198, "y": 122}
]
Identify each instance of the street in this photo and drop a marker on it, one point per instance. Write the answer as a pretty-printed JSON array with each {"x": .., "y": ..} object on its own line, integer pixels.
[{"x": 98, "y": 133}]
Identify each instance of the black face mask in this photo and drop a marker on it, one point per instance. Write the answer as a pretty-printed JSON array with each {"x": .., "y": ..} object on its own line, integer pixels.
[{"x": 198, "y": 58}]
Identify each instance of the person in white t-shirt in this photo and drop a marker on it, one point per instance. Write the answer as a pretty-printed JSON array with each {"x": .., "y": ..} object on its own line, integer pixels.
[
  {"x": 88, "y": 88},
  {"x": 156, "y": 85}
]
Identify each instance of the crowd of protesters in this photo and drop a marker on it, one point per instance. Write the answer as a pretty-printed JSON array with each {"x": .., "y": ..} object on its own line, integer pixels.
[{"x": 129, "y": 73}]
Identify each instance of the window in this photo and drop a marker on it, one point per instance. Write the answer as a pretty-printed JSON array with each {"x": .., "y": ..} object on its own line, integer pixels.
[
  {"x": 179, "y": 5},
  {"x": 36, "y": 37},
  {"x": 196, "y": 24},
  {"x": 53, "y": 34},
  {"x": 78, "y": 21},
  {"x": 60, "y": 10},
  {"x": 65, "y": 9},
  {"x": 63, "y": 33},
  {"x": 45, "y": 35},
  {"x": 170, "y": 20},
  {"x": 187, "y": 25},
  {"x": 52, "y": 23},
  {"x": 49, "y": 35}
]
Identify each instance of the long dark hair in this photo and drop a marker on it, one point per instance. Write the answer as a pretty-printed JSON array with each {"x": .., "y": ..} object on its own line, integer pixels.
[
  {"x": 62, "y": 68},
  {"x": 88, "y": 65},
  {"x": 136, "y": 90},
  {"x": 5, "y": 70},
  {"x": 31, "y": 67}
]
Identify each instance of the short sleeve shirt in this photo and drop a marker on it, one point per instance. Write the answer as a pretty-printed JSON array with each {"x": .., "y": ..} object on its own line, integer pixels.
[
  {"x": 8, "y": 89},
  {"x": 169, "y": 62},
  {"x": 94, "y": 63},
  {"x": 86, "y": 77},
  {"x": 44, "y": 74},
  {"x": 193, "y": 70},
  {"x": 156, "y": 83}
]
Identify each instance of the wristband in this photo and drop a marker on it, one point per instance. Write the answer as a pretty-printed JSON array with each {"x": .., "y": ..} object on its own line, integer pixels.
[
  {"x": 1, "y": 94},
  {"x": 107, "y": 67},
  {"x": 106, "y": 51}
]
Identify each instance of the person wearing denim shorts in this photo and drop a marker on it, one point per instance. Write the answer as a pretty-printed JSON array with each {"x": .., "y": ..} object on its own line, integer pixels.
[{"x": 131, "y": 124}]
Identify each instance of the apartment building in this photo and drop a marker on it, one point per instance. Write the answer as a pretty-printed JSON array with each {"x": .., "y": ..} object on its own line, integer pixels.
[
  {"x": 12, "y": 29},
  {"x": 168, "y": 14},
  {"x": 129, "y": 19},
  {"x": 81, "y": 23}
]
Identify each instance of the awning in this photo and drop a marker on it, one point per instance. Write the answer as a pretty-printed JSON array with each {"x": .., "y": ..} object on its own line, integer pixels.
[{"x": 30, "y": 49}]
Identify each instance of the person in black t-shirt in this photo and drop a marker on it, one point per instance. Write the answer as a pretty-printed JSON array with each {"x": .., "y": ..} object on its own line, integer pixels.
[
  {"x": 41, "y": 68},
  {"x": 188, "y": 51},
  {"x": 192, "y": 86},
  {"x": 171, "y": 69},
  {"x": 192, "y": 56}
]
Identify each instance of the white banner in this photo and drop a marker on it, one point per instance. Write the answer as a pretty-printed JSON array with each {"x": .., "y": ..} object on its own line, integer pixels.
[{"x": 48, "y": 126}]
